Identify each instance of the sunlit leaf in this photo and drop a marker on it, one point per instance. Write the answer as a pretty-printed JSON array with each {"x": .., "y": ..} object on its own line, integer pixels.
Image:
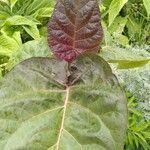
[
  {"x": 8, "y": 44},
  {"x": 36, "y": 5},
  {"x": 118, "y": 25},
  {"x": 114, "y": 9},
  {"x": 20, "y": 20},
  {"x": 43, "y": 12},
  {"x": 147, "y": 6}
]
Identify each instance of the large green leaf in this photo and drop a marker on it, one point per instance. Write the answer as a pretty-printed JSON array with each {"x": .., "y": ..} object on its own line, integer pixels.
[{"x": 38, "y": 111}]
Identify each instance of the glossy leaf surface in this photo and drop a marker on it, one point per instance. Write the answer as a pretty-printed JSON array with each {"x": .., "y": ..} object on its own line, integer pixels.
[
  {"x": 75, "y": 28},
  {"x": 37, "y": 112}
]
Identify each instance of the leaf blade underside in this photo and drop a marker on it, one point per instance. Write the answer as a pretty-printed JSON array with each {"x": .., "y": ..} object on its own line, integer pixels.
[
  {"x": 75, "y": 28},
  {"x": 36, "y": 112}
]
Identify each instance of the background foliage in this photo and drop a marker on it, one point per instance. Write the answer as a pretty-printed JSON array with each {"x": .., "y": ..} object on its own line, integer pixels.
[{"x": 126, "y": 46}]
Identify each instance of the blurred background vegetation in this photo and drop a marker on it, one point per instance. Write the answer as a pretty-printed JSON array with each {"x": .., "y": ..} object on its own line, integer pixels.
[{"x": 126, "y": 46}]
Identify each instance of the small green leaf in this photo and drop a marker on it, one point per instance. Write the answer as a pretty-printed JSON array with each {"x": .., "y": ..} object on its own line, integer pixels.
[
  {"x": 126, "y": 57},
  {"x": 136, "y": 141},
  {"x": 20, "y": 20},
  {"x": 118, "y": 25},
  {"x": 114, "y": 9},
  {"x": 147, "y": 6},
  {"x": 17, "y": 37},
  {"x": 43, "y": 12},
  {"x": 130, "y": 64},
  {"x": 32, "y": 31},
  {"x": 38, "y": 4},
  {"x": 9, "y": 45},
  {"x": 12, "y": 3}
]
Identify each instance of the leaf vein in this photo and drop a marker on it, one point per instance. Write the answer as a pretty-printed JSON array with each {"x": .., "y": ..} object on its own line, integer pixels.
[{"x": 63, "y": 118}]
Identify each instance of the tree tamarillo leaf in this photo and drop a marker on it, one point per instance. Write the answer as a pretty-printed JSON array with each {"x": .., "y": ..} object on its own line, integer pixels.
[
  {"x": 75, "y": 28},
  {"x": 38, "y": 113}
]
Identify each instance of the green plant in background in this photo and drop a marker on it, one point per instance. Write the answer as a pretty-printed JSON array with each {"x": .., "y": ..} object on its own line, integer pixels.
[
  {"x": 138, "y": 136},
  {"x": 24, "y": 16},
  {"x": 132, "y": 16},
  {"x": 20, "y": 22},
  {"x": 138, "y": 25}
]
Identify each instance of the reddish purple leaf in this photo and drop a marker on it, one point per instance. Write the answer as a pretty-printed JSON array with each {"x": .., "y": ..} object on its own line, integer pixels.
[{"x": 75, "y": 28}]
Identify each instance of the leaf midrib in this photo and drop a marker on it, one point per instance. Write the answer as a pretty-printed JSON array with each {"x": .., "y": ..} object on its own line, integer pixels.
[{"x": 63, "y": 118}]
